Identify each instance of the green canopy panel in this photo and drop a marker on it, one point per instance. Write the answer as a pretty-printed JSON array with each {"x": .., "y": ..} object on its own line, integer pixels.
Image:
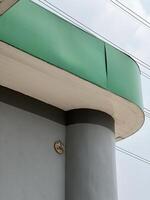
[{"x": 51, "y": 59}]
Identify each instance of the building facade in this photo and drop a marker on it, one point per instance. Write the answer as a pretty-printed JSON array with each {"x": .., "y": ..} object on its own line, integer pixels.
[{"x": 65, "y": 98}]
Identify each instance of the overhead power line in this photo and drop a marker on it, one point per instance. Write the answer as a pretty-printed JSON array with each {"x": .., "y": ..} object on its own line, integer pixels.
[
  {"x": 82, "y": 26},
  {"x": 147, "y": 115},
  {"x": 135, "y": 156},
  {"x": 131, "y": 12},
  {"x": 89, "y": 30},
  {"x": 145, "y": 75},
  {"x": 147, "y": 112}
]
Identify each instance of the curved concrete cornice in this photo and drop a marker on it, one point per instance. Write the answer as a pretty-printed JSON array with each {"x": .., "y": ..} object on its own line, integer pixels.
[
  {"x": 54, "y": 61},
  {"x": 31, "y": 76}
]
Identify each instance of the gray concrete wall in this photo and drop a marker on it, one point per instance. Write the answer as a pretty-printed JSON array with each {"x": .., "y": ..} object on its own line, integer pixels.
[
  {"x": 30, "y": 169},
  {"x": 90, "y": 163}
]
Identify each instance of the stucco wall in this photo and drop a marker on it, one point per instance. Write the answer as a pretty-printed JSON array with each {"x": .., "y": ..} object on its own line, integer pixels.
[
  {"x": 29, "y": 166},
  {"x": 90, "y": 162}
]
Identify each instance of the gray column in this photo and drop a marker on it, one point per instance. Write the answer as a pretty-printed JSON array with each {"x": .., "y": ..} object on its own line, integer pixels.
[{"x": 90, "y": 156}]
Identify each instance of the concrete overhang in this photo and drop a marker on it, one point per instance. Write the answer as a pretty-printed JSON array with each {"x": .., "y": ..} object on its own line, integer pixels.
[
  {"x": 46, "y": 57},
  {"x": 36, "y": 78},
  {"x": 5, "y": 5}
]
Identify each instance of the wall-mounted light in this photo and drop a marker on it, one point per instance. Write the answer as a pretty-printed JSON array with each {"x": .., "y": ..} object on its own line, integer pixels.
[{"x": 59, "y": 147}]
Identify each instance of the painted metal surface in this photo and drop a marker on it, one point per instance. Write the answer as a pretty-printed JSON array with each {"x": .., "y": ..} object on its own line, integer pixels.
[
  {"x": 44, "y": 35},
  {"x": 123, "y": 75}
]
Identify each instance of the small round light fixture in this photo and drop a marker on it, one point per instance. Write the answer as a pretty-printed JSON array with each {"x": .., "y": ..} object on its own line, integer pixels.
[{"x": 59, "y": 147}]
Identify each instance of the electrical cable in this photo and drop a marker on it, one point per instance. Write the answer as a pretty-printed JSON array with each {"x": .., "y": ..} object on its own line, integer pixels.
[
  {"x": 85, "y": 28},
  {"x": 81, "y": 25},
  {"x": 147, "y": 112},
  {"x": 131, "y": 12},
  {"x": 54, "y": 8},
  {"x": 135, "y": 156},
  {"x": 145, "y": 75},
  {"x": 90, "y": 31}
]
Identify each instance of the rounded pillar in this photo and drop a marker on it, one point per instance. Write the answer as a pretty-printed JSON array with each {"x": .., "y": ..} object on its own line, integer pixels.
[{"x": 90, "y": 156}]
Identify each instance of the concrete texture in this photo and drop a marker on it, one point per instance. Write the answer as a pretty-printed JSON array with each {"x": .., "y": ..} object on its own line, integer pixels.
[
  {"x": 90, "y": 163},
  {"x": 30, "y": 169}
]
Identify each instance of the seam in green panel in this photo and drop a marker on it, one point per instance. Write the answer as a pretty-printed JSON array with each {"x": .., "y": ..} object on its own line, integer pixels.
[{"x": 106, "y": 65}]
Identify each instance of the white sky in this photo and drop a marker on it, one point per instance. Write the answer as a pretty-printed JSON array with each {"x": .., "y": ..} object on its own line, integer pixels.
[{"x": 110, "y": 21}]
